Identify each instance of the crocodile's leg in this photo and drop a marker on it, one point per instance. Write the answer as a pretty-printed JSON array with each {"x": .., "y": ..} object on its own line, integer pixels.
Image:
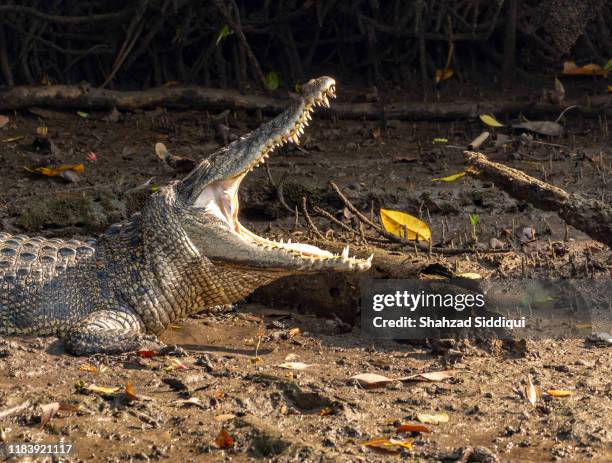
[{"x": 106, "y": 331}]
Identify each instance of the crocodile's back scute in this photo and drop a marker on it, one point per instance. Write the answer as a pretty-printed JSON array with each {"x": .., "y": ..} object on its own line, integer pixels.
[
  {"x": 29, "y": 261},
  {"x": 42, "y": 282}
]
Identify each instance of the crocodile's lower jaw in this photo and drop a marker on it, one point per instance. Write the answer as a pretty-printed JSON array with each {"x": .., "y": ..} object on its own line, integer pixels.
[{"x": 220, "y": 199}]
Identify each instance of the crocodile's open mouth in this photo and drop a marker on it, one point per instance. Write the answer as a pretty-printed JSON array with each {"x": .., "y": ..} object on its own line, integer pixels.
[{"x": 220, "y": 197}]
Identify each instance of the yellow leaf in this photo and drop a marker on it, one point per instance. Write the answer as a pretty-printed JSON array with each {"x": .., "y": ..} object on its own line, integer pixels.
[
  {"x": 443, "y": 74},
  {"x": 11, "y": 139},
  {"x": 88, "y": 367},
  {"x": 490, "y": 120},
  {"x": 440, "y": 140},
  {"x": 101, "y": 389},
  {"x": 54, "y": 171},
  {"x": 404, "y": 225},
  {"x": 171, "y": 83},
  {"x": 559, "y": 393},
  {"x": 610, "y": 88},
  {"x": 389, "y": 445},
  {"x": 450, "y": 178},
  {"x": 432, "y": 419}
]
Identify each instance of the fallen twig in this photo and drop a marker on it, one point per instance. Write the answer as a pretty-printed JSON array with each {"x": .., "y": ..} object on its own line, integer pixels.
[
  {"x": 309, "y": 221},
  {"x": 278, "y": 188},
  {"x": 592, "y": 216}
]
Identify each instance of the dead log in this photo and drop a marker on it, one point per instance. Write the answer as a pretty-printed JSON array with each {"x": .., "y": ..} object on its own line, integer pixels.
[
  {"x": 592, "y": 216},
  {"x": 196, "y": 97}
]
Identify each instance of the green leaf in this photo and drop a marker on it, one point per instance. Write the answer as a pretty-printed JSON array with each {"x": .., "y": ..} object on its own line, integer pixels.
[
  {"x": 224, "y": 32},
  {"x": 608, "y": 66},
  {"x": 82, "y": 114},
  {"x": 271, "y": 80}
]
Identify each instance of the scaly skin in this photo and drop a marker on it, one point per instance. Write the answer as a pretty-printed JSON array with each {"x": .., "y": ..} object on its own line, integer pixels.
[{"x": 185, "y": 252}]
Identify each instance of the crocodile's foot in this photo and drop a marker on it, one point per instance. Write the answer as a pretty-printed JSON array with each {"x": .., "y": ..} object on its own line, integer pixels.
[{"x": 108, "y": 332}]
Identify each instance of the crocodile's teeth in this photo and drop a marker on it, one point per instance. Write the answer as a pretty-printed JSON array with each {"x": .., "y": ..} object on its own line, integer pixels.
[
  {"x": 295, "y": 139},
  {"x": 370, "y": 258},
  {"x": 345, "y": 252},
  {"x": 289, "y": 241},
  {"x": 325, "y": 101}
]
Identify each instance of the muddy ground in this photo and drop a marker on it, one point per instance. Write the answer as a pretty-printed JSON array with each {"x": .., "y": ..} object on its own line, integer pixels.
[{"x": 229, "y": 376}]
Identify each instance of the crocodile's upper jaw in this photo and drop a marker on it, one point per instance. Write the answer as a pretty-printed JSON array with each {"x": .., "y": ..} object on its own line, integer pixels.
[{"x": 216, "y": 199}]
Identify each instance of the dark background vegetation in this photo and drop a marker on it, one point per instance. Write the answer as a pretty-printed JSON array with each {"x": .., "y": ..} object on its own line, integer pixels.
[{"x": 138, "y": 44}]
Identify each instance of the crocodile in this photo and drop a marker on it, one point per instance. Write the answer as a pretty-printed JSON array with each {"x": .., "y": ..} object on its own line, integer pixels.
[{"x": 184, "y": 252}]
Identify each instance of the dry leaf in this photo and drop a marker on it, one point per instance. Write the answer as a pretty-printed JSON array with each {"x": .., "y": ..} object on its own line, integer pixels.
[
  {"x": 490, "y": 120},
  {"x": 294, "y": 365},
  {"x": 547, "y": 128},
  {"x": 433, "y": 376},
  {"x": 404, "y": 225},
  {"x": 12, "y": 139},
  {"x": 224, "y": 440},
  {"x": 432, "y": 419},
  {"x": 559, "y": 392},
  {"x": 531, "y": 393},
  {"x": 291, "y": 357},
  {"x": 82, "y": 114},
  {"x": 179, "y": 163},
  {"x": 469, "y": 275},
  {"x": 328, "y": 411},
  {"x": 50, "y": 410},
  {"x": 412, "y": 428},
  {"x": 406, "y": 158},
  {"x": 102, "y": 390},
  {"x": 54, "y": 171},
  {"x": 389, "y": 445},
  {"x": 176, "y": 364},
  {"x": 225, "y": 417},
  {"x": 190, "y": 401},
  {"x": 145, "y": 354},
  {"x": 443, "y": 74},
  {"x": 371, "y": 380},
  {"x": 591, "y": 69},
  {"x": 3, "y": 120},
  {"x": 293, "y": 332},
  {"x": 129, "y": 392},
  {"x": 560, "y": 90},
  {"x": 450, "y": 178},
  {"x": 88, "y": 367}
]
